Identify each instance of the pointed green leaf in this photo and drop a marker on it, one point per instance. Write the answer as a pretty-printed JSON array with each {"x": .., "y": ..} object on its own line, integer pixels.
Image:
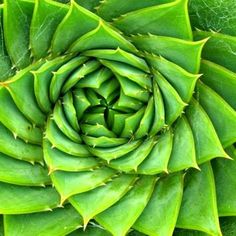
[
  {"x": 83, "y": 70},
  {"x": 169, "y": 19},
  {"x": 160, "y": 215},
  {"x": 76, "y": 16},
  {"x": 62, "y": 74},
  {"x": 81, "y": 103},
  {"x": 213, "y": 15},
  {"x": 69, "y": 110},
  {"x": 108, "y": 154},
  {"x": 22, "y": 173},
  {"x": 63, "y": 124},
  {"x": 132, "y": 89},
  {"x": 21, "y": 89},
  {"x": 101, "y": 37},
  {"x": 147, "y": 120},
  {"x": 127, "y": 102},
  {"x": 222, "y": 115},
  {"x": 71, "y": 183},
  {"x": 18, "y": 124},
  {"x": 91, "y": 203},
  {"x": 224, "y": 172},
  {"x": 57, "y": 160},
  {"x": 132, "y": 123},
  {"x": 180, "y": 79},
  {"x": 133, "y": 159},
  {"x": 129, "y": 72},
  {"x": 94, "y": 118},
  {"x": 173, "y": 49},
  {"x": 104, "y": 9},
  {"x": 134, "y": 202},
  {"x": 200, "y": 190},
  {"x": 221, "y": 80},
  {"x": 183, "y": 151},
  {"x": 159, "y": 112},
  {"x": 107, "y": 88},
  {"x": 157, "y": 161},
  {"x": 21, "y": 199},
  {"x": 42, "y": 80},
  {"x": 63, "y": 143},
  {"x": 17, "y": 148},
  {"x": 174, "y": 105},
  {"x": 103, "y": 141},
  {"x": 118, "y": 121},
  {"x": 57, "y": 222},
  {"x": 88, "y": 4},
  {"x": 118, "y": 55},
  {"x": 94, "y": 79},
  {"x": 207, "y": 143}
]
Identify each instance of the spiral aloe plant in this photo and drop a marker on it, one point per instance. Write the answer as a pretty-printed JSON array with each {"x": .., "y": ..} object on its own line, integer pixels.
[{"x": 110, "y": 120}]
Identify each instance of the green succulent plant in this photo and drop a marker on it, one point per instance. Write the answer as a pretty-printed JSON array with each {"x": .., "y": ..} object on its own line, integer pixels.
[{"x": 111, "y": 123}]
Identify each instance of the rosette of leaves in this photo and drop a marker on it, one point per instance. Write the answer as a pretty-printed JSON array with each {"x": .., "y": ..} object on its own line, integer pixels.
[{"x": 106, "y": 124}]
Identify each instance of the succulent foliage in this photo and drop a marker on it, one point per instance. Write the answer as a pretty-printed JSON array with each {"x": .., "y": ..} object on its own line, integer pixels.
[{"x": 116, "y": 118}]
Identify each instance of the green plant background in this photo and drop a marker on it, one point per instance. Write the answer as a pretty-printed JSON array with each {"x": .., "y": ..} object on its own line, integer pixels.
[{"x": 214, "y": 19}]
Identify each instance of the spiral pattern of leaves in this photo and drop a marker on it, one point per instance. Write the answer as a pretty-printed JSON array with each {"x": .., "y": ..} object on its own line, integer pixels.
[{"x": 110, "y": 120}]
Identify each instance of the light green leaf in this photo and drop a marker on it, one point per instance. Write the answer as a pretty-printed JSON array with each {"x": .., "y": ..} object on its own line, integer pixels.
[
  {"x": 91, "y": 203},
  {"x": 133, "y": 202},
  {"x": 17, "y": 148},
  {"x": 62, "y": 123},
  {"x": 88, "y": 4},
  {"x": 200, "y": 190},
  {"x": 207, "y": 143},
  {"x": 174, "y": 105},
  {"x": 157, "y": 161},
  {"x": 104, "y": 9},
  {"x": 21, "y": 199},
  {"x": 160, "y": 215},
  {"x": 183, "y": 151},
  {"x": 42, "y": 80},
  {"x": 182, "y": 81},
  {"x": 69, "y": 110},
  {"x": 19, "y": 125},
  {"x": 71, "y": 183},
  {"x": 133, "y": 159},
  {"x": 221, "y": 80},
  {"x": 224, "y": 171},
  {"x": 22, "y": 173},
  {"x": 60, "y": 76},
  {"x": 63, "y": 143},
  {"x": 20, "y": 87},
  {"x": 57, "y": 160},
  {"x": 57, "y": 222},
  {"x": 109, "y": 154},
  {"x": 220, "y": 113},
  {"x": 118, "y": 55},
  {"x": 101, "y": 37},
  {"x": 173, "y": 49},
  {"x": 76, "y": 16},
  {"x": 169, "y": 19}
]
